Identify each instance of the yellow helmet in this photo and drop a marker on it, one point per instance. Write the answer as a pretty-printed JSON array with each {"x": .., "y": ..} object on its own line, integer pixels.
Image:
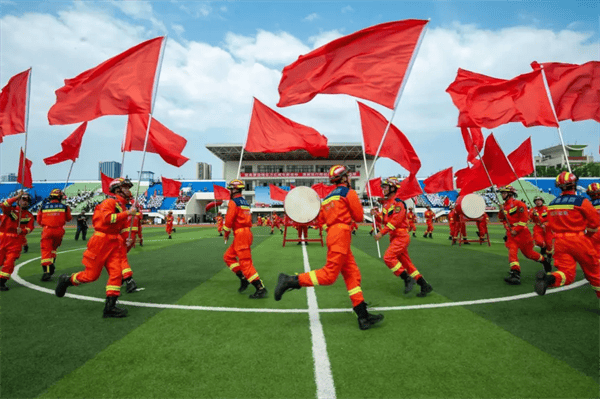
[{"x": 236, "y": 184}]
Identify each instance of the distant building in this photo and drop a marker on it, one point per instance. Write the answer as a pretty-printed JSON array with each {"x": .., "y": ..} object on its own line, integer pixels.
[
  {"x": 203, "y": 171},
  {"x": 109, "y": 168},
  {"x": 555, "y": 156},
  {"x": 147, "y": 176},
  {"x": 9, "y": 177}
]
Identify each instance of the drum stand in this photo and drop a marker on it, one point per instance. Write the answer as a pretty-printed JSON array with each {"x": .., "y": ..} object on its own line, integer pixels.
[
  {"x": 463, "y": 238},
  {"x": 304, "y": 239}
]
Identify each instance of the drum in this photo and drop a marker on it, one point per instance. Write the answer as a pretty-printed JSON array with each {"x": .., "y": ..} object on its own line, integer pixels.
[
  {"x": 302, "y": 204},
  {"x": 472, "y": 206},
  {"x": 409, "y": 204}
]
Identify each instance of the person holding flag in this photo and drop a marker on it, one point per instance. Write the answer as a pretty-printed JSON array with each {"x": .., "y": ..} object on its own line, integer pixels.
[
  {"x": 412, "y": 219},
  {"x": 219, "y": 220},
  {"x": 482, "y": 229},
  {"x": 169, "y": 224},
  {"x": 542, "y": 236},
  {"x": 429, "y": 216},
  {"x": 52, "y": 216},
  {"x": 16, "y": 221}
]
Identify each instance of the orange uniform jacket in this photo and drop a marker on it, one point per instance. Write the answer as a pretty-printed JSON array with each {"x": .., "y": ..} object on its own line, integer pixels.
[
  {"x": 54, "y": 214},
  {"x": 514, "y": 215},
  {"x": 238, "y": 215},
  {"x": 9, "y": 223},
  {"x": 394, "y": 217}
]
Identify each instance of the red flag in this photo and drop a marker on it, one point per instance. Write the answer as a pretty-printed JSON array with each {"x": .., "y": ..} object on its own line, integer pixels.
[
  {"x": 276, "y": 193},
  {"x": 170, "y": 187},
  {"x": 24, "y": 176},
  {"x": 521, "y": 99},
  {"x": 323, "y": 189},
  {"x": 473, "y": 139},
  {"x": 522, "y": 160},
  {"x": 122, "y": 85},
  {"x": 575, "y": 89},
  {"x": 396, "y": 146},
  {"x": 374, "y": 188},
  {"x": 13, "y": 104},
  {"x": 441, "y": 181},
  {"x": 369, "y": 64},
  {"x": 221, "y": 193},
  {"x": 271, "y": 132},
  {"x": 106, "y": 183},
  {"x": 409, "y": 188},
  {"x": 161, "y": 140},
  {"x": 70, "y": 147}
]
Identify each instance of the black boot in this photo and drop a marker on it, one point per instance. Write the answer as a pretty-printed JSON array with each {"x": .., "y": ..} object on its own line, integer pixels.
[
  {"x": 243, "y": 282},
  {"x": 52, "y": 267},
  {"x": 543, "y": 281},
  {"x": 466, "y": 242},
  {"x": 3, "y": 286},
  {"x": 271, "y": 231},
  {"x": 426, "y": 288},
  {"x": 111, "y": 309},
  {"x": 25, "y": 248},
  {"x": 131, "y": 285},
  {"x": 409, "y": 282},
  {"x": 425, "y": 235},
  {"x": 64, "y": 282},
  {"x": 285, "y": 283},
  {"x": 514, "y": 277},
  {"x": 365, "y": 319},
  {"x": 449, "y": 237},
  {"x": 547, "y": 265},
  {"x": 414, "y": 234},
  {"x": 430, "y": 236},
  {"x": 260, "y": 292}
]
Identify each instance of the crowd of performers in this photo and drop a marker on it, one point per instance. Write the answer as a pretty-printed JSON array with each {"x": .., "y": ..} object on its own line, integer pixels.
[{"x": 566, "y": 231}]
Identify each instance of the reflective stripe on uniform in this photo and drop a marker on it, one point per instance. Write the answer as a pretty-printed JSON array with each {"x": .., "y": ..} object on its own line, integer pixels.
[
  {"x": 233, "y": 265},
  {"x": 53, "y": 210},
  {"x": 552, "y": 207},
  {"x": 226, "y": 228},
  {"x": 514, "y": 264},
  {"x": 330, "y": 199},
  {"x": 113, "y": 218},
  {"x": 253, "y": 277},
  {"x": 520, "y": 224},
  {"x": 126, "y": 271},
  {"x": 354, "y": 291},
  {"x": 47, "y": 260},
  {"x": 415, "y": 273},
  {"x": 74, "y": 279},
  {"x": 113, "y": 288},
  {"x": 398, "y": 266},
  {"x": 595, "y": 288},
  {"x": 391, "y": 226},
  {"x": 5, "y": 274},
  {"x": 313, "y": 277},
  {"x": 562, "y": 276}
]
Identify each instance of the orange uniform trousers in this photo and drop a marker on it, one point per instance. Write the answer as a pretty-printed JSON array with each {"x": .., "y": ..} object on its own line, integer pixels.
[
  {"x": 573, "y": 248},
  {"x": 302, "y": 231},
  {"x": 429, "y": 226},
  {"x": 542, "y": 237},
  {"x": 411, "y": 226},
  {"x": 238, "y": 256},
  {"x": 482, "y": 229},
  {"x": 49, "y": 243},
  {"x": 169, "y": 228},
  {"x": 524, "y": 242},
  {"x": 126, "y": 271},
  {"x": 396, "y": 256},
  {"x": 103, "y": 250},
  {"x": 10, "y": 251},
  {"x": 339, "y": 260}
]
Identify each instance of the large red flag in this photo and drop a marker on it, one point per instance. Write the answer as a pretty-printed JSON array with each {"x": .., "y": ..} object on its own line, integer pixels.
[
  {"x": 24, "y": 176},
  {"x": 441, "y": 181},
  {"x": 221, "y": 193},
  {"x": 106, "y": 183},
  {"x": 522, "y": 159},
  {"x": 409, "y": 188},
  {"x": 70, "y": 147},
  {"x": 396, "y": 146},
  {"x": 373, "y": 187},
  {"x": 161, "y": 140},
  {"x": 122, "y": 85},
  {"x": 13, "y": 104},
  {"x": 575, "y": 89},
  {"x": 473, "y": 139},
  {"x": 272, "y": 132},
  {"x": 276, "y": 193},
  {"x": 170, "y": 187},
  {"x": 369, "y": 64},
  {"x": 323, "y": 189}
]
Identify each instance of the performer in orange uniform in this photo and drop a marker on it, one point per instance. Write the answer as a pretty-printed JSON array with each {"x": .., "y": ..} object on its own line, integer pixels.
[
  {"x": 482, "y": 229},
  {"x": 106, "y": 248},
  {"x": 396, "y": 257},
  {"x": 452, "y": 224},
  {"x": 593, "y": 191},
  {"x": 129, "y": 234},
  {"x": 429, "y": 216},
  {"x": 15, "y": 222},
  {"x": 542, "y": 236},
  {"x": 412, "y": 220},
  {"x": 219, "y": 219},
  {"x": 52, "y": 216},
  {"x": 276, "y": 222},
  {"x": 238, "y": 256},
  {"x": 169, "y": 221},
  {"x": 573, "y": 220},
  {"x": 514, "y": 215},
  {"x": 338, "y": 210}
]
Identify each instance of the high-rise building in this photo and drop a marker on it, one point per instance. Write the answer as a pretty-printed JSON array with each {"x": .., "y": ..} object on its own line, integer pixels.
[
  {"x": 109, "y": 168},
  {"x": 9, "y": 177},
  {"x": 203, "y": 171}
]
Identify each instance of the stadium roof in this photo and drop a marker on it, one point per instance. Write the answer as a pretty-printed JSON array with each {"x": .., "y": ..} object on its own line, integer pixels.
[
  {"x": 337, "y": 152},
  {"x": 549, "y": 150}
]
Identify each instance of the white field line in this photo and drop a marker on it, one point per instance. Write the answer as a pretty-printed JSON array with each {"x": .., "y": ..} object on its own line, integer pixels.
[{"x": 323, "y": 376}]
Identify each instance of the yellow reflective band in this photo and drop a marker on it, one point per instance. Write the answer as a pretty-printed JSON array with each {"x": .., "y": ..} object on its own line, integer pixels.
[
  {"x": 126, "y": 271},
  {"x": 74, "y": 279},
  {"x": 514, "y": 264},
  {"x": 330, "y": 199},
  {"x": 113, "y": 218},
  {"x": 398, "y": 266},
  {"x": 4, "y": 274},
  {"x": 563, "y": 277},
  {"x": 52, "y": 210},
  {"x": 552, "y": 207},
  {"x": 53, "y": 252},
  {"x": 5, "y": 203},
  {"x": 520, "y": 224},
  {"x": 245, "y": 207},
  {"x": 595, "y": 288},
  {"x": 415, "y": 273},
  {"x": 313, "y": 277},
  {"x": 233, "y": 265},
  {"x": 592, "y": 230},
  {"x": 391, "y": 226},
  {"x": 253, "y": 277},
  {"x": 354, "y": 291},
  {"x": 118, "y": 207},
  {"x": 226, "y": 228},
  {"x": 14, "y": 215},
  {"x": 567, "y": 176},
  {"x": 113, "y": 288},
  {"x": 512, "y": 210},
  {"x": 47, "y": 260}
]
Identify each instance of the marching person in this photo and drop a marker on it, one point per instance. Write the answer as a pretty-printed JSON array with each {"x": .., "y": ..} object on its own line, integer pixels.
[
  {"x": 276, "y": 222},
  {"x": 106, "y": 248},
  {"x": 482, "y": 229},
  {"x": 514, "y": 215},
  {"x": 238, "y": 256},
  {"x": 452, "y": 224},
  {"x": 82, "y": 226},
  {"x": 573, "y": 220},
  {"x": 412, "y": 220},
  {"x": 593, "y": 191},
  {"x": 396, "y": 257},
  {"x": 429, "y": 216},
  {"x": 169, "y": 224},
  {"x": 542, "y": 236},
  {"x": 338, "y": 210},
  {"x": 15, "y": 222},
  {"x": 52, "y": 216},
  {"x": 219, "y": 219}
]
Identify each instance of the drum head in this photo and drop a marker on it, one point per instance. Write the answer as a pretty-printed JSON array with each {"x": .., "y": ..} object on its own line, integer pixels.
[
  {"x": 302, "y": 204},
  {"x": 409, "y": 204},
  {"x": 472, "y": 206}
]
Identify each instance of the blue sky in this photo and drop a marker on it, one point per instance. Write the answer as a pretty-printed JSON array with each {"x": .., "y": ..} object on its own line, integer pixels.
[{"x": 221, "y": 54}]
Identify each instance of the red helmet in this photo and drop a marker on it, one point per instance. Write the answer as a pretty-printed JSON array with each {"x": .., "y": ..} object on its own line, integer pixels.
[
  {"x": 236, "y": 184},
  {"x": 56, "y": 193},
  {"x": 119, "y": 182},
  {"x": 566, "y": 179},
  {"x": 593, "y": 188},
  {"x": 508, "y": 189},
  {"x": 336, "y": 172}
]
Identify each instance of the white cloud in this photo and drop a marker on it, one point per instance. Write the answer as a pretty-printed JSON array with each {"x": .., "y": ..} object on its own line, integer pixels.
[
  {"x": 268, "y": 47},
  {"x": 347, "y": 9},
  {"x": 311, "y": 17},
  {"x": 178, "y": 29},
  {"x": 324, "y": 38}
]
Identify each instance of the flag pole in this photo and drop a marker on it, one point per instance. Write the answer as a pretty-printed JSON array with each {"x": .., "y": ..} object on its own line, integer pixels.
[
  {"x": 549, "y": 96},
  {"x": 245, "y": 141},
  {"x": 518, "y": 179},
  {"x": 123, "y": 148},
  {"x": 68, "y": 175},
  {"x": 400, "y": 91},
  {"x": 25, "y": 150}
]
